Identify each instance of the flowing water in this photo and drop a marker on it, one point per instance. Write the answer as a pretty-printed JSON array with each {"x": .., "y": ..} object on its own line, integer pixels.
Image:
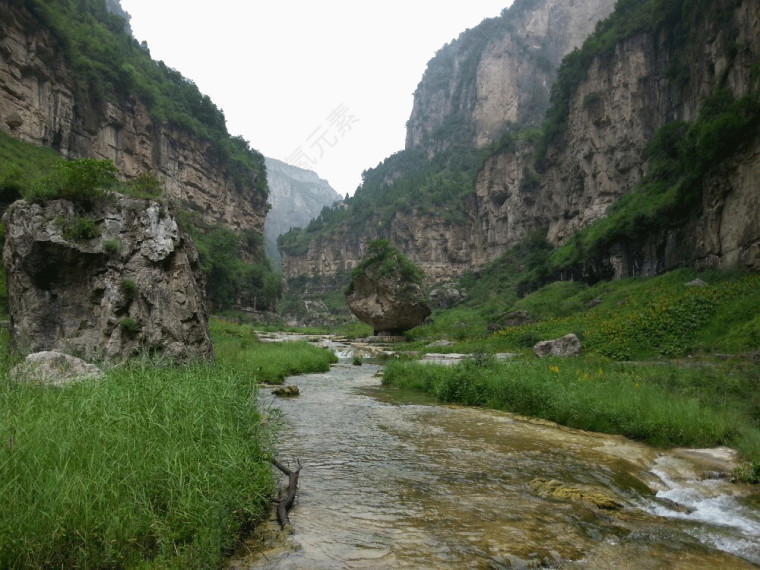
[{"x": 390, "y": 480}]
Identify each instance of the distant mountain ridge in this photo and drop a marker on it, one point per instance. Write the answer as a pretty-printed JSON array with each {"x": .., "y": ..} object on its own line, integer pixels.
[{"x": 297, "y": 196}]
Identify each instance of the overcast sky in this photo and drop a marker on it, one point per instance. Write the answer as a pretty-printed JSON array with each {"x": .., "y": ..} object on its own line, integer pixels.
[{"x": 325, "y": 85}]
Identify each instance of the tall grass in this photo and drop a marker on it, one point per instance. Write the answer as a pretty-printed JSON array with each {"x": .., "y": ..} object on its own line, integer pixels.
[
  {"x": 661, "y": 405},
  {"x": 238, "y": 347},
  {"x": 150, "y": 466},
  {"x": 147, "y": 464}
]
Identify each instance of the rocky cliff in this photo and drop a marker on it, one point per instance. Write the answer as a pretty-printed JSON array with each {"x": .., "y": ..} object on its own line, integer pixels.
[
  {"x": 649, "y": 80},
  {"x": 41, "y": 102},
  {"x": 650, "y": 65},
  {"x": 499, "y": 73},
  {"x": 107, "y": 281},
  {"x": 493, "y": 78},
  {"x": 296, "y": 197}
]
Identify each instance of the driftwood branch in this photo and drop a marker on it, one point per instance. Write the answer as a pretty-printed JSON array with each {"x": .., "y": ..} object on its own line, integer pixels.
[{"x": 284, "y": 505}]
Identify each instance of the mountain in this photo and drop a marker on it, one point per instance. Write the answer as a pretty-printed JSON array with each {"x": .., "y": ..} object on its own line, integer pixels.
[
  {"x": 498, "y": 75},
  {"x": 640, "y": 158},
  {"x": 296, "y": 197}
]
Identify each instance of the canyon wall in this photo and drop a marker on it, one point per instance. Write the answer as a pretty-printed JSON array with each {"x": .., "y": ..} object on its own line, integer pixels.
[
  {"x": 498, "y": 74},
  {"x": 492, "y": 78},
  {"x": 624, "y": 98},
  {"x": 624, "y": 95},
  {"x": 40, "y": 104}
]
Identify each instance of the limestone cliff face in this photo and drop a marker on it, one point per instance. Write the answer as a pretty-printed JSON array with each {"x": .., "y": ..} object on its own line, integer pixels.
[
  {"x": 131, "y": 284},
  {"x": 613, "y": 114},
  {"x": 499, "y": 73},
  {"x": 39, "y": 104},
  {"x": 438, "y": 247},
  {"x": 296, "y": 196}
]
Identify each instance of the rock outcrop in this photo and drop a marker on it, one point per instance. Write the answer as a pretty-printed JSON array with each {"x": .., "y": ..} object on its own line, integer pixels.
[
  {"x": 499, "y": 74},
  {"x": 40, "y": 104},
  {"x": 385, "y": 291},
  {"x": 387, "y": 304},
  {"x": 568, "y": 345},
  {"x": 106, "y": 282}
]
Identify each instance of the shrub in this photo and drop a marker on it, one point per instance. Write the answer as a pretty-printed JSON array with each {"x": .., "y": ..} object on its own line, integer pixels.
[
  {"x": 129, "y": 287},
  {"x": 144, "y": 186},
  {"x": 81, "y": 229},
  {"x": 128, "y": 325},
  {"x": 384, "y": 259},
  {"x": 82, "y": 180},
  {"x": 112, "y": 245}
]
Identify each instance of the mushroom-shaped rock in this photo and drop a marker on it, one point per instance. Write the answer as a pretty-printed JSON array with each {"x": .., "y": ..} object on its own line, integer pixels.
[{"x": 385, "y": 291}]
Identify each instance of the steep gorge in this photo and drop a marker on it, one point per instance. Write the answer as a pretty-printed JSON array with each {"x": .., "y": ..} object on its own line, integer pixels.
[
  {"x": 650, "y": 64},
  {"x": 490, "y": 80},
  {"x": 651, "y": 79}
]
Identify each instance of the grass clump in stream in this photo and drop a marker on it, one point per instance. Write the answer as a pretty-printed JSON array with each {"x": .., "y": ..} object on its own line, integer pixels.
[
  {"x": 661, "y": 404},
  {"x": 237, "y": 346},
  {"x": 148, "y": 467}
]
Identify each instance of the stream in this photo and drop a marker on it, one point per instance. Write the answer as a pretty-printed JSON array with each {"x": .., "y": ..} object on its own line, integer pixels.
[{"x": 392, "y": 480}]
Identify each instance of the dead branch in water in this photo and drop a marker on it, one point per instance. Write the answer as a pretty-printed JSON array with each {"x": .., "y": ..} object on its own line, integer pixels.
[{"x": 284, "y": 505}]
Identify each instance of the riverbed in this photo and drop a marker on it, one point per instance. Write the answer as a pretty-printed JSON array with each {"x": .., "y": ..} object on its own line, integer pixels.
[{"x": 392, "y": 480}]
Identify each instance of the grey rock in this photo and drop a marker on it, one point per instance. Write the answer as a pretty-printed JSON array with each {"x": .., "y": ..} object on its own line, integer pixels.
[
  {"x": 446, "y": 296},
  {"x": 54, "y": 368},
  {"x": 696, "y": 283},
  {"x": 135, "y": 287},
  {"x": 568, "y": 345},
  {"x": 440, "y": 343},
  {"x": 511, "y": 319},
  {"x": 287, "y": 391}
]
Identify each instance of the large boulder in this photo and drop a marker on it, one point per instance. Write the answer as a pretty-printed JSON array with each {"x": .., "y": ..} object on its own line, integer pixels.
[
  {"x": 568, "y": 345},
  {"x": 385, "y": 292},
  {"x": 104, "y": 280},
  {"x": 53, "y": 368}
]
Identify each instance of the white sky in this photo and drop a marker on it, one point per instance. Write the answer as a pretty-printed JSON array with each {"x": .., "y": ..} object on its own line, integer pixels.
[{"x": 279, "y": 69}]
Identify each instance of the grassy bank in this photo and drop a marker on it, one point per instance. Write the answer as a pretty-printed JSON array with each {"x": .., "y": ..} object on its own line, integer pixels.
[
  {"x": 237, "y": 348},
  {"x": 662, "y": 362},
  {"x": 150, "y": 466},
  {"x": 628, "y": 319},
  {"x": 662, "y": 404}
]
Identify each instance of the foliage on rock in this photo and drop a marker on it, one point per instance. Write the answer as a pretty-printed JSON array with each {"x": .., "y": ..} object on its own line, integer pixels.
[{"x": 383, "y": 260}]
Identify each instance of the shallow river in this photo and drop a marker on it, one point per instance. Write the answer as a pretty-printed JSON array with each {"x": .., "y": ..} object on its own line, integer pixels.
[{"x": 392, "y": 481}]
